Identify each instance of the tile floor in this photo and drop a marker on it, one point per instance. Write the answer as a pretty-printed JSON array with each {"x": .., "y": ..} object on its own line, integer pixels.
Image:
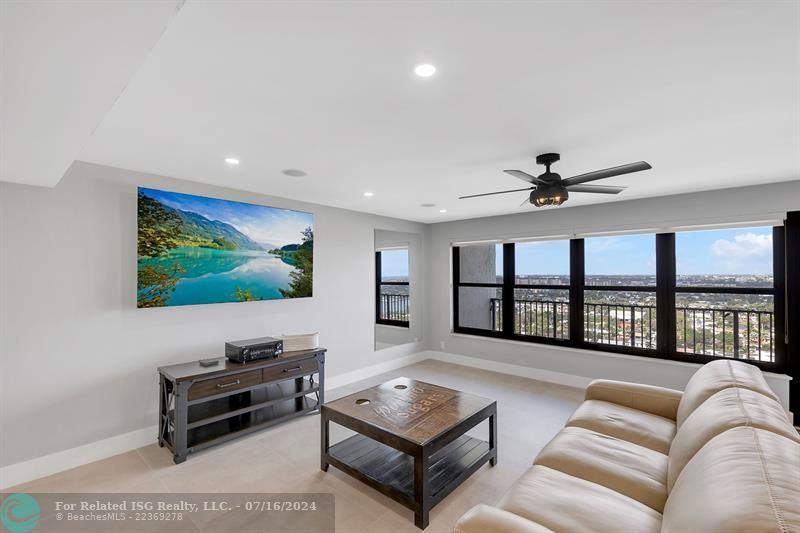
[{"x": 285, "y": 458}]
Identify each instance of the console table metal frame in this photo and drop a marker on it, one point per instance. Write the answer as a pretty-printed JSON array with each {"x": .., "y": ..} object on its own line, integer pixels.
[{"x": 289, "y": 376}]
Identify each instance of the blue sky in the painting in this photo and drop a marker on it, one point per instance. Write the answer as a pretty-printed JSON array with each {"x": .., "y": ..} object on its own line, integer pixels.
[
  {"x": 394, "y": 263},
  {"x": 726, "y": 251},
  {"x": 265, "y": 225}
]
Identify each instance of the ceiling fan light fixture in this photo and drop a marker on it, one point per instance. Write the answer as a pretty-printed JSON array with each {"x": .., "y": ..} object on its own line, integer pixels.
[
  {"x": 549, "y": 196},
  {"x": 550, "y": 190}
]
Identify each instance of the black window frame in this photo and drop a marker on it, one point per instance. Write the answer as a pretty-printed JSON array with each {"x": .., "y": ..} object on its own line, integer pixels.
[
  {"x": 512, "y": 256},
  {"x": 661, "y": 248},
  {"x": 466, "y": 284},
  {"x": 778, "y": 293},
  {"x": 665, "y": 291},
  {"x": 378, "y": 304}
]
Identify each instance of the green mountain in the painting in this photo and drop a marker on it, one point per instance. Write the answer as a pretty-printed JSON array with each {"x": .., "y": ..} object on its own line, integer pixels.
[
  {"x": 197, "y": 230},
  {"x": 290, "y": 252}
]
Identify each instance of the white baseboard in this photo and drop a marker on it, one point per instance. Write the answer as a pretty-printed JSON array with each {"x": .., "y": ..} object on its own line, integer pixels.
[
  {"x": 515, "y": 370},
  {"x": 39, "y": 467},
  {"x": 25, "y": 471}
]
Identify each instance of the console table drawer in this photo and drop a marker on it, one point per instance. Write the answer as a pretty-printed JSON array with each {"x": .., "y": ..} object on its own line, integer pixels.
[
  {"x": 289, "y": 370},
  {"x": 209, "y": 387}
]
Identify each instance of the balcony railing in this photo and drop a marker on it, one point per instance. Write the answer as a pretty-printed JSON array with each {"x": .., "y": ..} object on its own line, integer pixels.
[
  {"x": 621, "y": 325},
  {"x": 735, "y": 333},
  {"x": 394, "y": 307},
  {"x": 539, "y": 318}
]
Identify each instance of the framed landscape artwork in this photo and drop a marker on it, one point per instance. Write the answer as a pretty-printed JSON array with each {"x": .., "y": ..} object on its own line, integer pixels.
[{"x": 198, "y": 250}]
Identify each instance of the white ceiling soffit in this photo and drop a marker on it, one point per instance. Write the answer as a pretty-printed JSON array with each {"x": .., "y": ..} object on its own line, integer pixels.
[
  {"x": 64, "y": 64},
  {"x": 707, "y": 92}
]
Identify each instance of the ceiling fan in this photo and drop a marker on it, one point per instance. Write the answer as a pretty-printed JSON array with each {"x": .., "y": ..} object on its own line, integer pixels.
[{"x": 550, "y": 189}]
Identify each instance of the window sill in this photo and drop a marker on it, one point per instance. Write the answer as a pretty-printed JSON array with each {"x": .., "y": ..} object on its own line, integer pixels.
[
  {"x": 405, "y": 325},
  {"x": 596, "y": 353}
]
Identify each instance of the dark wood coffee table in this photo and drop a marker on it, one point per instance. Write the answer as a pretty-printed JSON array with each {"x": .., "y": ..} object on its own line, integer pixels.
[{"x": 411, "y": 443}]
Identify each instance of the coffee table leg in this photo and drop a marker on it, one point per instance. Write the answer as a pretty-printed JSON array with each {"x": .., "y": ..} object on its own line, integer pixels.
[
  {"x": 421, "y": 488},
  {"x": 324, "y": 440},
  {"x": 493, "y": 437}
]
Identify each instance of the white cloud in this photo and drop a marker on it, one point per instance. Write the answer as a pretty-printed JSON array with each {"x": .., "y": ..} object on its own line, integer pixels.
[
  {"x": 603, "y": 244},
  {"x": 743, "y": 246},
  {"x": 279, "y": 232}
]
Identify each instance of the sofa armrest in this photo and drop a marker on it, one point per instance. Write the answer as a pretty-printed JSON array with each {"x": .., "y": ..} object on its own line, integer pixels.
[
  {"x": 487, "y": 519},
  {"x": 649, "y": 398}
]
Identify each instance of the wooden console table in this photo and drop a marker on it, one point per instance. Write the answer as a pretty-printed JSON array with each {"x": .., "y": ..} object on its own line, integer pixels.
[{"x": 205, "y": 406}]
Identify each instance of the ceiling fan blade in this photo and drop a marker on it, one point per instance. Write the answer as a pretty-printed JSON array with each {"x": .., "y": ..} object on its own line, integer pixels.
[
  {"x": 491, "y": 193},
  {"x": 602, "y": 189},
  {"x": 606, "y": 173},
  {"x": 525, "y": 201},
  {"x": 524, "y": 176}
]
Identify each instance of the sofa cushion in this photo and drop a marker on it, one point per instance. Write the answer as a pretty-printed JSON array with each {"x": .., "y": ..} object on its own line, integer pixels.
[
  {"x": 728, "y": 408},
  {"x": 716, "y": 376},
  {"x": 645, "y": 429},
  {"x": 635, "y": 471},
  {"x": 648, "y": 398},
  {"x": 743, "y": 480},
  {"x": 562, "y": 502},
  {"x": 486, "y": 519}
]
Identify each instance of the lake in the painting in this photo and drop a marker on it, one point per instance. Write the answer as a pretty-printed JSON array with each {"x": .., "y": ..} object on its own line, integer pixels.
[
  {"x": 198, "y": 250},
  {"x": 213, "y": 276}
]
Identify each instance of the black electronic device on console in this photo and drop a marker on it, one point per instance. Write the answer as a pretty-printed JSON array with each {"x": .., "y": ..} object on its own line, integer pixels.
[{"x": 253, "y": 349}]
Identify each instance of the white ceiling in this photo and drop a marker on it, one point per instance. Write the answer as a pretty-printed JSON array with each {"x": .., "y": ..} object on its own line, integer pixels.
[
  {"x": 62, "y": 66},
  {"x": 707, "y": 92}
]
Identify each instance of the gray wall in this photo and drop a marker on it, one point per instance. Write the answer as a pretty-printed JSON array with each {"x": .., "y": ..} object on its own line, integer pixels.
[
  {"x": 78, "y": 359},
  {"x": 730, "y": 205}
]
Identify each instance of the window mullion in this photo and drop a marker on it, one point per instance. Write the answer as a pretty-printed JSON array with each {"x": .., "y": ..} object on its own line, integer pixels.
[
  {"x": 666, "y": 336},
  {"x": 577, "y": 282},
  {"x": 456, "y": 281},
  {"x": 792, "y": 288},
  {"x": 377, "y": 286},
  {"x": 509, "y": 276},
  {"x": 779, "y": 294}
]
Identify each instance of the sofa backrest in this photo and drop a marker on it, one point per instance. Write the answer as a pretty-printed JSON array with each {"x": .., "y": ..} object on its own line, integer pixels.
[
  {"x": 743, "y": 480},
  {"x": 727, "y": 409},
  {"x": 716, "y": 376}
]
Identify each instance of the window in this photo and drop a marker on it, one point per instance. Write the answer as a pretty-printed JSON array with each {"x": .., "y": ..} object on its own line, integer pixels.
[
  {"x": 541, "y": 289},
  {"x": 479, "y": 292},
  {"x": 392, "y": 306},
  {"x": 690, "y": 296},
  {"x": 725, "y": 301},
  {"x": 620, "y": 300}
]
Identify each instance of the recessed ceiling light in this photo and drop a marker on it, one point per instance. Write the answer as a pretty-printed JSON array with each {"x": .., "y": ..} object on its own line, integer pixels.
[
  {"x": 294, "y": 173},
  {"x": 369, "y": 194},
  {"x": 232, "y": 161},
  {"x": 443, "y": 210},
  {"x": 425, "y": 70}
]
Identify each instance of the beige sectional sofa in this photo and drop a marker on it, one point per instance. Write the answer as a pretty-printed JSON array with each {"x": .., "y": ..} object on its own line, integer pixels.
[{"x": 721, "y": 456}]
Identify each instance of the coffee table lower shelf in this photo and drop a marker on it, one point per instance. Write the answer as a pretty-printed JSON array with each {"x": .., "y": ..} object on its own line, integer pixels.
[{"x": 392, "y": 472}]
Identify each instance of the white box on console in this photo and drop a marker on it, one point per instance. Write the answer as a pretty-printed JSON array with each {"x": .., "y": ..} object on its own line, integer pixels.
[{"x": 306, "y": 341}]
